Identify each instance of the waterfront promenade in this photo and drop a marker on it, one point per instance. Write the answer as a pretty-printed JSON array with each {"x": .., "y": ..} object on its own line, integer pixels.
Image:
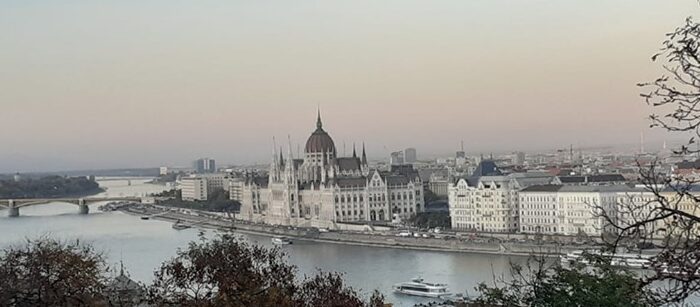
[{"x": 385, "y": 239}]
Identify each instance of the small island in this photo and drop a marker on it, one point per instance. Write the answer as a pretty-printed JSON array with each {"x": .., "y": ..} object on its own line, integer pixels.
[{"x": 48, "y": 187}]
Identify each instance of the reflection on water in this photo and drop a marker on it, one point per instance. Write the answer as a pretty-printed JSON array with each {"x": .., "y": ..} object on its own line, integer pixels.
[{"x": 143, "y": 245}]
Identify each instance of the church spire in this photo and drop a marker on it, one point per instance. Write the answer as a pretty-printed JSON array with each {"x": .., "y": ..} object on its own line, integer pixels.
[
  {"x": 319, "y": 124},
  {"x": 274, "y": 151},
  {"x": 281, "y": 157},
  {"x": 364, "y": 155},
  {"x": 354, "y": 153}
]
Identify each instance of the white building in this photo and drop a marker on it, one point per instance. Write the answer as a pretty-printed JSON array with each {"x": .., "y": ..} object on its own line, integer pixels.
[
  {"x": 322, "y": 189},
  {"x": 572, "y": 210},
  {"x": 210, "y": 182},
  {"x": 235, "y": 189},
  {"x": 488, "y": 200},
  {"x": 194, "y": 188}
]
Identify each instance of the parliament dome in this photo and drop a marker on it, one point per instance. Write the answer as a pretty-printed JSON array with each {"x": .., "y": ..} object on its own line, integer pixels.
[{"x": 319, "y": 141}]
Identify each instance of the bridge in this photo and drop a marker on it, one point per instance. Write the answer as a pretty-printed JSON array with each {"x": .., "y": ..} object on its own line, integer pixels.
[{"x": 13, "y": 205}]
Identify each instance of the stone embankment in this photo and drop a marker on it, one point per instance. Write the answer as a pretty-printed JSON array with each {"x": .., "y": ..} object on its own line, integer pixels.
[{"x": 385, "y": 239}]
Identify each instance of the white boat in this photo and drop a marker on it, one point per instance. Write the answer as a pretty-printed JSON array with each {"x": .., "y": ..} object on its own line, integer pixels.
[
  {"x": 180, "y": 226},
  {"x": 633, "y": 261},
  {"x": 281, "y": 240},
  {"x": 418, "y": 287}
]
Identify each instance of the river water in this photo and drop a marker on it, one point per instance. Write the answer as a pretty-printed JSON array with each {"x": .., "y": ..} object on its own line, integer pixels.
[{"x": 143, "y": 245}]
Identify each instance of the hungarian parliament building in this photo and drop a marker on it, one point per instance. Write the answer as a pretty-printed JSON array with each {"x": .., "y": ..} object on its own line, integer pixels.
[{"x": 323, "y": 189}]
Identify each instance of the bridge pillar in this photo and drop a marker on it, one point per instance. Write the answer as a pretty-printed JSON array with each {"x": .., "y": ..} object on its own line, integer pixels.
[
  {"x": 82, "y": 207},
  {"x": 12, "y": 211}
]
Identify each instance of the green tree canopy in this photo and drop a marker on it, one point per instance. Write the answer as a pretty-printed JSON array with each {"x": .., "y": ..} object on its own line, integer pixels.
[{"x": 590, "y": 282}]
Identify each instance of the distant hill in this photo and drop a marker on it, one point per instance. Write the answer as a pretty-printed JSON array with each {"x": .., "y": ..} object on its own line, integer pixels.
[{"x": 125, "y": 172}]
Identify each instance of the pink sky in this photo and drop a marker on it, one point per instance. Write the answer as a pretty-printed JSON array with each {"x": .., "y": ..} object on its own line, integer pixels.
[{"x": 135, "y": 83}]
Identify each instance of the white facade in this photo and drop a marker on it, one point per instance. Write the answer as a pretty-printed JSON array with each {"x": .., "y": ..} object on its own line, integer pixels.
[
  {"x": 489, "y": 203},
  {"x": 235, "y": 189},
  {"x": 194, "y": 188},
  {"x": 322, "y": 189},
  {"x": 484, "y": 207},
  {"x": 570, "y": 210}
]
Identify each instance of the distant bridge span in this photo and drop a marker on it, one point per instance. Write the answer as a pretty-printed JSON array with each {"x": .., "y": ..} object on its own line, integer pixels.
[{"x": 13, "y": 205}]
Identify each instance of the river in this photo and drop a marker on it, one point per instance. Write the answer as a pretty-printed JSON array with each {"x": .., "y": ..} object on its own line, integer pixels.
[{"x": 143, "y": 245}]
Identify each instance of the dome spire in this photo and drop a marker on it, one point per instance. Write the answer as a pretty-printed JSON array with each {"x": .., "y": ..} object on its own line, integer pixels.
[{"x": 319, "y": 124}]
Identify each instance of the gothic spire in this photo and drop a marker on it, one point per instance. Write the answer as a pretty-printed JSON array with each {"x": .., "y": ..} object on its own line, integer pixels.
[
  {"x": 281, "y": 157},
  {"x": 364, "y": 154},
  {"x": 274, "y": 151},
  {"x": 319, "y": 124},
  {"x": 354, "y": 153}
]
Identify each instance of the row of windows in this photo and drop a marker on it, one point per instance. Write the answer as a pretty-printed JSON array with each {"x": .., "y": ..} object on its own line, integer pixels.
[
  {"x": 538, "y": 221},
  {"x": 374, "y": 197},
  {"x": 353, "y": 212},
  {"x": 538, "y": 213}
]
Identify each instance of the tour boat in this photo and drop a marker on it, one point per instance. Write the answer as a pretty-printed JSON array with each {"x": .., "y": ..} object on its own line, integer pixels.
[
  {"x": 633, "y": 261},
  {"x": 418, "y": 287},
  {"x": 180, "y": 226},
  {"x": 281, "y": 241}
]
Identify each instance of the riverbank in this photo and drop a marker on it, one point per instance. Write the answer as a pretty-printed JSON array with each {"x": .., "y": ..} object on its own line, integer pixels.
[{"x": 373, "y": 239}]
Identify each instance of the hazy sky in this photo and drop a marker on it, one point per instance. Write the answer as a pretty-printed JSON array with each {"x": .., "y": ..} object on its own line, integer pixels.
[{"x": 101, "y": 84}]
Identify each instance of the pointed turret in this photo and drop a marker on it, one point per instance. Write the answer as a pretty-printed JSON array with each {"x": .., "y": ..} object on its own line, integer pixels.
[
  {"x": 364, "y": 154},
  {"x": 281, "y": 157},
  {"x": 319, "y": 124},
  {"x": 290, "y": 157},
  {"x": 354, "y": 153},
  {"x": 274, "y": 151},
  {"x": 289, "y": 168}
]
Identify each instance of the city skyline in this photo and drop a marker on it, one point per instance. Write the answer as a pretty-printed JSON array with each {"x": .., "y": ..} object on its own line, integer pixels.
[{"x": 108, "y": 86}]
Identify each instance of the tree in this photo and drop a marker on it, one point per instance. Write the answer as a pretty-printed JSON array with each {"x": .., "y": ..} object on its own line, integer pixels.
[
  {"x": 539, "y": 284},
  {"x": 226, "y": 271},
  {"x": 326, "y": 289},
  {"x": 431, "y": 219},
  {"x": 47, "y": 272},
  {"x": 49, "y": 186},
  {"x": 667, "y": 213},
  {"x": 429, "y": 197}
]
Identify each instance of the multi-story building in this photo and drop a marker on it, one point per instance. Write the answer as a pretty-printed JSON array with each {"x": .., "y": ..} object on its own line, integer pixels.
[
  {"x": 574, "y": 210},
  {"x": 519, "y": 158},
  {"x": 235, "y": 189},
  {"x": 211, "y": 182},
  {"x": 410, "y": 155},
  {"x": 439, "y": 183},
  {"x": 488, "y": 200},
  {"x": 205, "y": 165},
  {"x": 397, "y": 158},
  {"x": 590, "y": 180},
  {"x": 322, "y": 189},
  {"x": 194, "y": 188}
]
